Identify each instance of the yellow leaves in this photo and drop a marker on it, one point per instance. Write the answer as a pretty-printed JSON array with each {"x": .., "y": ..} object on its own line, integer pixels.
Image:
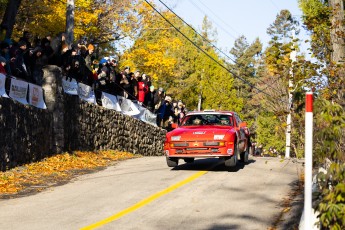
[{"x": 55, "y": 168}]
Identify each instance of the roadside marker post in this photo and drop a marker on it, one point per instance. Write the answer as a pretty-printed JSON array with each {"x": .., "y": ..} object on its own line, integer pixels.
[{"x": 308, "y": 161}]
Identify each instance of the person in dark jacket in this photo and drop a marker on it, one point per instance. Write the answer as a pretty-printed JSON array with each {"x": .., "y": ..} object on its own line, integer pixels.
[
  {"x": 56, "y": 45},
  {"x": 149, "y": 101},
  {"x": 88, "y": 68},
  {"x": 21, "y": 67}
]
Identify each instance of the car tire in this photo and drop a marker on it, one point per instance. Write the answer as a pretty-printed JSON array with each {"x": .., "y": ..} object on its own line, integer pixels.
[
  {"x": 232, "y": 161},
  {"x": 188, "y": 160},
  {"x": 172, "y": 162},
  {"x": 245, "y": 156}
]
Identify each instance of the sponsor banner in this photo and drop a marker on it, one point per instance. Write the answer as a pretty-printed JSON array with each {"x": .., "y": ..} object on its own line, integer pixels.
[
  {"x": 145, "y": 115},
  {"x": 149, "y": 117},
  {"x": 36, "y": 96},
  {"x": 19, "y": 90},
  {"x": 86, "y": 93},
  {"x": 141, "y": 111},
  {"x": 2, "y": 85},
  {"x": 127, "y": 106},
  {"x": 110, "y": 102},
  {"x": 70, "y": 87}
]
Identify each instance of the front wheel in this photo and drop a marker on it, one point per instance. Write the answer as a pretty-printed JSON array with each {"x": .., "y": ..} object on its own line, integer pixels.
[
  {"x": 232, "y": 161},
  {"x": 172, "y": 162}
]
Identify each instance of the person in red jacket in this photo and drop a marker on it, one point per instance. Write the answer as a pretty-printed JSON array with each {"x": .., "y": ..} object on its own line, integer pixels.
[
  {"x": 142, "y": 90},
  {"x": 2, "y": 65}
]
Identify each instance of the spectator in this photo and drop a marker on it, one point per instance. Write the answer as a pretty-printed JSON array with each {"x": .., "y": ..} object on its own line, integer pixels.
[
  {"x": 38, "y": 60},
  {"x": 20, "y": 63},
  {"x": 124, "y": 84},
  {"x": 75, "y": 71},
  {"x": 180, "y": 117},
  {"x": 126, "y": 72},
  {"x": 56, "y": 45},
  {"x": 165, "y": 112},
  {"x": 88, "y": 70},
  {"x": 142, "y": 89},
  {"x": 26, "y": 38},
  {"x": 149, "y": 99},
  {"x": 47, "y": 49},
  {"x": 158, "y": 99},
  {"x": 114, "y": 78},
  {"x": 259, "y": 151},
  {"x": 147, "y": 80},
  {"x": 65, "y": 58},
  {"x": 5, "y": 53},
  {"x": 2, "y": 65},
  {"x": 133, "y": 91}
]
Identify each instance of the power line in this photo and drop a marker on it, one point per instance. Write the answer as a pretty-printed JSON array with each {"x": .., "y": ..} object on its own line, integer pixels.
[
  {"x": 225, "y": 23},
  {"x": 231, "y": 35},
  {"x": 203, "y": 51},
  {"x": 205, "y": 39}
]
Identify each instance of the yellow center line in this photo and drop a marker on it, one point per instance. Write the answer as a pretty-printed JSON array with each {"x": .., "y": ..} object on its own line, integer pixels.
[{"x": 144, "y": 202}]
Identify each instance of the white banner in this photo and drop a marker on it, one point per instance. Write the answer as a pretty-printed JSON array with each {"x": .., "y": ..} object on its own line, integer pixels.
[
  {"x": 19, "y": 90},
  {"x": 2, "y": 85},
  {"x": 141, "y": 111},
  {"x": 110, "y": 102},
  {"x": 70, "y": 87},
  {"x": 36, "y": 96},
  {"x": 149, "y": 117},
  {"x": 127, "y": 106},
  {"x": 86, "y": 93}
]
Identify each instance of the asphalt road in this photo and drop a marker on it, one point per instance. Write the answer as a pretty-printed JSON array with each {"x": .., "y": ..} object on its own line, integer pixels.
[{"x": 145, "y": 194}]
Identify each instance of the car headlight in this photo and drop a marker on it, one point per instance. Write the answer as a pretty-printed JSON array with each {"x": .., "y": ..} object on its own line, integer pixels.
[
  {"x": 218, "y": 137},
  {"x": 175, "y": 138}
]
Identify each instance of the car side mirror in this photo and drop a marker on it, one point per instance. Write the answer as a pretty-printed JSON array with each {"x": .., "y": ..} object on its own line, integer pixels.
[
  {"x": 243, "y": 124},
  {"x": 174, "y": 125}
]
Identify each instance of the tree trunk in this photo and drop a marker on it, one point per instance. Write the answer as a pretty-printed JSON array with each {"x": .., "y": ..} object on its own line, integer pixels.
[
  {"x": 9, "y": 18},
  {"x": 70, "y": 22},
  {"x": 338, "y": 48},
  {"x": 337, "y": 31}
]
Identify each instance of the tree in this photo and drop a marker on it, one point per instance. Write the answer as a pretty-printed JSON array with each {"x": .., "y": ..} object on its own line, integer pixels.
[
  {"x": 246, "y": 60},
  {"x": 101, "y": 22},
  {"x": 325, "y": 20},
  {"x": 70, "y": 22},
  {"x": 9, "y": 17}
]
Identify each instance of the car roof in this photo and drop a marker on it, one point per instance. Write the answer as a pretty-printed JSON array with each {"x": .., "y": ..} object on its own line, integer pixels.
[{"x": 210, "y": 112}]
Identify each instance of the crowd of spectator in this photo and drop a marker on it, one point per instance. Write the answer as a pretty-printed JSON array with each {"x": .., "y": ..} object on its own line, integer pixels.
[{"x": 25, "y": 59}]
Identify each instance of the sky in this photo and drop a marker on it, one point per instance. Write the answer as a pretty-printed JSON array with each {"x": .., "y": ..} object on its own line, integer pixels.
[{"x": 233, "y": 18}]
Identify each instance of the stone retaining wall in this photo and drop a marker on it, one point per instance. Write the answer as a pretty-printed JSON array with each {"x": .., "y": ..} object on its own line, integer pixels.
[{"x": 28, "y": 134}]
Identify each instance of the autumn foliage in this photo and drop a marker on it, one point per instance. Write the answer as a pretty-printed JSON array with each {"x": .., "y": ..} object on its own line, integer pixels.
[{"x": 53, "y": 170}]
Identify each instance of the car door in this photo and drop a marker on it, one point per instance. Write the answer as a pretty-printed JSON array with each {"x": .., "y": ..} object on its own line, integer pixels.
[{"x": 240, "y": 134}]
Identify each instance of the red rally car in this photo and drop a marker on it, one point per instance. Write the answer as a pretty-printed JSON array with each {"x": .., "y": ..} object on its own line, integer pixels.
[{"x": 208, "y": 134}]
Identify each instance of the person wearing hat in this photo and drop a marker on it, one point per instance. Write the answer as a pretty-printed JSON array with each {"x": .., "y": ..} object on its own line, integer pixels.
[
  {"x": 166, "y": 112},
  {"x": 21, "y": 68},
  {"x": 5, "y": 52}
]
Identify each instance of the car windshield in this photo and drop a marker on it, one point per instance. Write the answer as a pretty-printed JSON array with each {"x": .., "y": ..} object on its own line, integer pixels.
[{"x": 207, "y": 119}]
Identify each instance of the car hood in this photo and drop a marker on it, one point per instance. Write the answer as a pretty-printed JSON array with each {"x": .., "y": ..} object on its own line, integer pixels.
[{"x": 199, "y": 133}]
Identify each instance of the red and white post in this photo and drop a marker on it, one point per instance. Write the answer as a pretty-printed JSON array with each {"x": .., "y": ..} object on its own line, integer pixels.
[{"x": 308, "y": 162}]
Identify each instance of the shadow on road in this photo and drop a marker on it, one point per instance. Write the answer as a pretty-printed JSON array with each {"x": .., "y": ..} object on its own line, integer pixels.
[{"x": 211, "y": 164}]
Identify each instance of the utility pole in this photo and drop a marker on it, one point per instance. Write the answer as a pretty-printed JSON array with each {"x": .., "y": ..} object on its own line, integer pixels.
[
  {"x": 200, "y": 94},
  {"x": 288, "y": 119},
  {"x": 70, "y": 22}
]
